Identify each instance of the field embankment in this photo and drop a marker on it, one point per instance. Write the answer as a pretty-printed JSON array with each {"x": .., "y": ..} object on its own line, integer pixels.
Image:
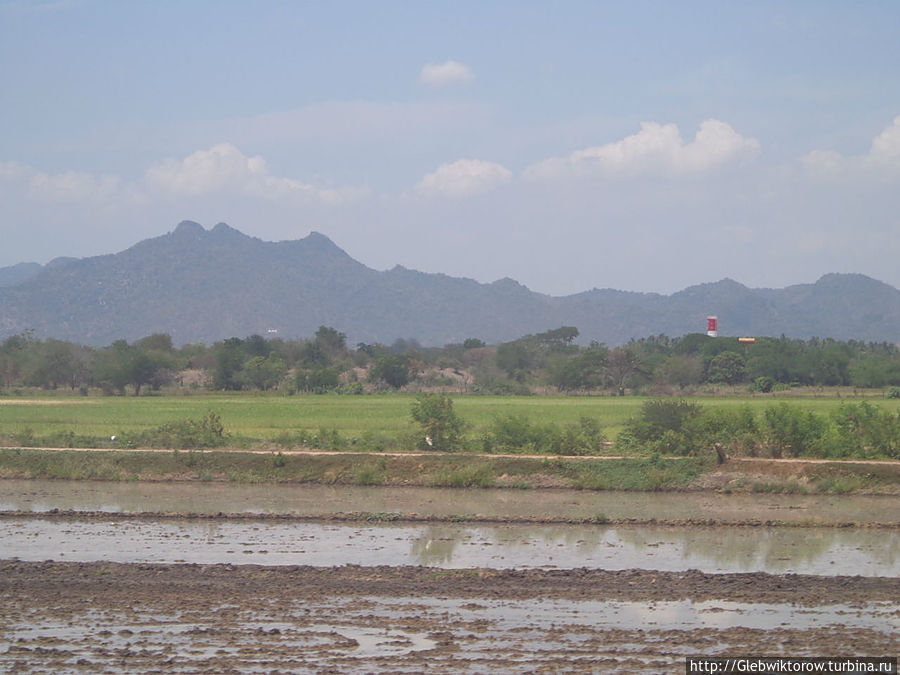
[{"x": 456, "y": 470}]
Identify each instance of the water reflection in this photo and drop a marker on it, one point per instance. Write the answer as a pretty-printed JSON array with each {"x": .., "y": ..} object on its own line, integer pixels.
[
  {"x": 826, "y": 551},
  {"x": 435, "y": 546}
]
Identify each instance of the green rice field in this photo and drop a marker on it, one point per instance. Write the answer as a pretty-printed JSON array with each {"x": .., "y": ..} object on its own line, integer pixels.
[{"x": 257, "y": 416}]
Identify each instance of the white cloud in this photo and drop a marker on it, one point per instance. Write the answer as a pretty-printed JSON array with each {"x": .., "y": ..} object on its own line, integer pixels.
[
  {"x": 222, "y": 166},
  {"x": 69, "y": 186},
  {"x": 463, "y": 178},
  {"x": 883, "y": 155},
  {"x": 438, "y": 75},
  {"x": 885, "y": 150},
  {"x": 225, "y": 168},
  {"x": 822, "y": 162},
  {"x": 655, "y": 148}
]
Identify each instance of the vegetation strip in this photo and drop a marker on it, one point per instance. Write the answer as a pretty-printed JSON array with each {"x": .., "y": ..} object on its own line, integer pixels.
[
  {"x": 457, "y": 470},
  {"x": 367, "y": 517}
]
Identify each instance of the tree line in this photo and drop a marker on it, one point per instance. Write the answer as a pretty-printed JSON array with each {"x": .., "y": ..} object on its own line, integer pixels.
[{"x": 548, "y": 361}]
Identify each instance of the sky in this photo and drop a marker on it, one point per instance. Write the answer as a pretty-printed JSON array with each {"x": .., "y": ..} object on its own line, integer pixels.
[{"x": 642, "y": 146}]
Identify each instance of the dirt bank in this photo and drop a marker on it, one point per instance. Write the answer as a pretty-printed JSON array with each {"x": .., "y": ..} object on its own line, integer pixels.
[
  {"x": 456, "y": 470},
  {"x": 395, "y": 517}
]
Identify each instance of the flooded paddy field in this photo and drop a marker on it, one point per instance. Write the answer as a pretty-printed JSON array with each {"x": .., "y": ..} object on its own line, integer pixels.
[
  {"x": 501, "y": 504},
  {"x": 813, "y": 550},
  {"x": 106, "y": 586}
]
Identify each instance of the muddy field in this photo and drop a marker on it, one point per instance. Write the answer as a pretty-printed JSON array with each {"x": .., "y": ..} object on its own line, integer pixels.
[
  {"x": 302, "y": 616},
  {"x": 105, "y": 617}
]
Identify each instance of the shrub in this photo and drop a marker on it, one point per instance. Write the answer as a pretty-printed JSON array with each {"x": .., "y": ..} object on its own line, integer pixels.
[
  {"x": 794, "y": 431},
  {"x": 763, "y": 384},
  {"x": 583, "y": 438},
  {"x": 516, "y": 434},
  {"x": 737, "y": 430},
  {"x": 207, "y": 432},
  {"x": 441, "y": 426},
  {"x": 659, "y": 428},
  {"x": 863, "y": 429}
]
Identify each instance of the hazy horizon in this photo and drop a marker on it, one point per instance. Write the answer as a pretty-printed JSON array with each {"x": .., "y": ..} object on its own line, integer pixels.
[{"x": 642, "y": 146}]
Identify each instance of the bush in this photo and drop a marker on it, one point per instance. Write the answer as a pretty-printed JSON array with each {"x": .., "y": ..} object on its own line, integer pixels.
[
  {"x": 583, "y": 438},
  {"x": 682, "y": 428},
  {"x": 791, "y": 430},
  {"x": 737, "y": 430},
  {"x": 863, "y": 429},
  {"x": 763, "y": 384},
  {"x": 207, "y": 432},
  {"x": 441, "y": 426},
  {"x": 516, "y": 434},
  {"x": 660, "y": 427}
]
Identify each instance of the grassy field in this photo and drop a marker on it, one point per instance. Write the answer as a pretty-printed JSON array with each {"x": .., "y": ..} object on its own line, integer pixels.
[{"x": 266, "y": 417}]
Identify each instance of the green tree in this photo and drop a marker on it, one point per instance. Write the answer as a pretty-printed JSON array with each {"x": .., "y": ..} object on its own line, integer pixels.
[
  {"x": 392, "y": 370},
  {"x": 318, "y": 380},
  {"x": 264, "y": 373},
  {"x": 50, "y": 364},
  {"x": 256, "y": 345},
  {"x": 583, "y": 372},
  {"x": 682, "y": 371},
  {"x": 332, "y": 341},
  {"x": 13, "y": 354},
  {"x": 229, "y": 361},
  {"x": 122, "y": 364},
  {"x": 727, "y": 367},
  {"x": 622, "y": 364},
  {"x": 564, "y": 335},
  {"x": 158, "y": 342},
  {"x": 516, "y": 358}
]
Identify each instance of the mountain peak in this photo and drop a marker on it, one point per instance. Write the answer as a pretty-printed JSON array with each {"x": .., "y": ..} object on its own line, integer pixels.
[
  {"x": 319, "y": 243},
  {"x": 224, "y": 228},
  {"x": 188, "y": 228}
]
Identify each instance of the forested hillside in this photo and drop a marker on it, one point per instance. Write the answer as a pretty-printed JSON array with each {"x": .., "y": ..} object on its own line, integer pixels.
[{"x": 200, "y": 285}]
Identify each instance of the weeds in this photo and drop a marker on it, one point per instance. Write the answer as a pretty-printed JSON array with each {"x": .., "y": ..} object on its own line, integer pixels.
[{"x": 475, "y": 476}]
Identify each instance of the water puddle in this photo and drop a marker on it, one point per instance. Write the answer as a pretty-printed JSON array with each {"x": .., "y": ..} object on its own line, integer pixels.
[
  {"x": 820, "y": 551},
  {"x": 102, "y": 637},
  {"x": 44, "y": 495},
  {"x": 545, "y": 615}
]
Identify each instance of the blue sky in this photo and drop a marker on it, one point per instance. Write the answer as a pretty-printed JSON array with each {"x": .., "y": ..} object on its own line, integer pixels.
[{"x": 635, "y": 145}]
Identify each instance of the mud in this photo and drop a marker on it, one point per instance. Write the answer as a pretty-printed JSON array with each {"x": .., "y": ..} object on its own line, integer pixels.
[
  {"x": 306, "y": 616},
  {"x": 107, "y": 617}
]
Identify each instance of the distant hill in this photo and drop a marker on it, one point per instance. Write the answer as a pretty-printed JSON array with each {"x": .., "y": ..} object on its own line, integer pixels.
[
  {"x": 203, "y": 285},
  {"x": 16, "y": 274}
]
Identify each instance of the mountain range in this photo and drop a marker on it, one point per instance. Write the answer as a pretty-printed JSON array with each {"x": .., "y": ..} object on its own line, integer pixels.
[{"x": 202, "y": 285}]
